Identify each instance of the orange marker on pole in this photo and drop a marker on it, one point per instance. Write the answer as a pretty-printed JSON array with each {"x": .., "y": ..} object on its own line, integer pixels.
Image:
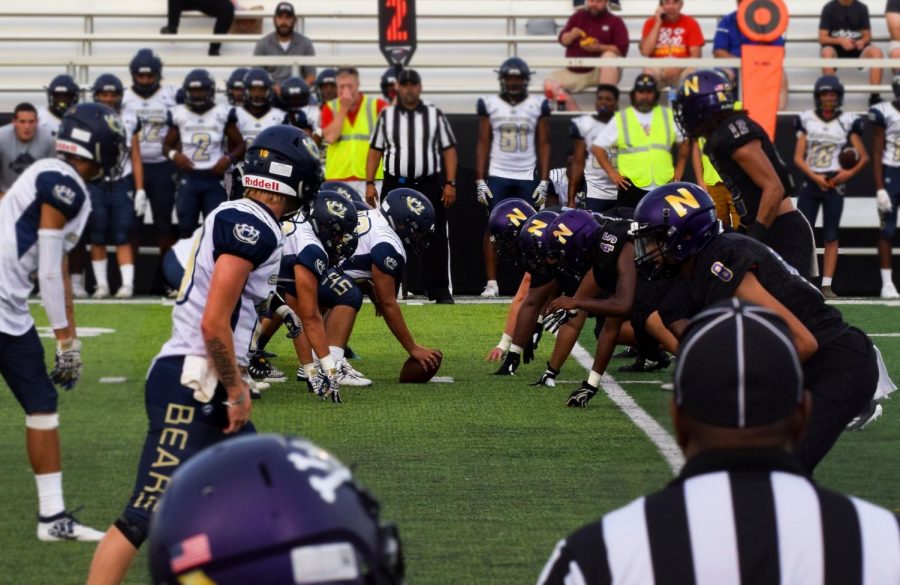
[{"x": 762, "y": 66}]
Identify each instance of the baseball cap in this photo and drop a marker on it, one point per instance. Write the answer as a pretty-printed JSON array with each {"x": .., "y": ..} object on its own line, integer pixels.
[
  {"x": 737, "y": 367},
  {"x": 645, "y": 81},
  {"x": 410, "y": 76},
  {"x": 284, "y": 8}
]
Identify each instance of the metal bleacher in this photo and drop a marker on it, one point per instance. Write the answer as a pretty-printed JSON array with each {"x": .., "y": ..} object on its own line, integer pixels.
[{"x": 460, "y": 43}]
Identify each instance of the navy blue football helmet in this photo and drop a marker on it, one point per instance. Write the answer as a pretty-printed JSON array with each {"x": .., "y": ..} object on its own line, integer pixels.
[
  {"x": 534, "y": 242},
  {"x": 333, "y": 217},
  {"x": 109, "y": 83},
  {"x": 389, "y": 83},
  {"x": 514, "y": 67},
  {"x": 258, "y": 78},
  {"x": 234, "y": 86},
  {"x": 94, "y": 132},
  {"x": 295, "y": 93},
  {"x": 342, "y": 188},
  {"x": 62, "y": 94},
  {"x": 411, "y": 215},
  {"x": 673, "y": 222},
  {"x": 275, "y": 510},
  {"x": 702, "y": 94},
  {"x": 825, "y": 84},
  {"x": 572, "y": 237},
  {"x": 145, "y": 61},
  {"x": 504, "y": 224},
  {"x": 325, "y": 77},
  {"x": 199, "y": 90},
  {"x": 284, "y": 160}
]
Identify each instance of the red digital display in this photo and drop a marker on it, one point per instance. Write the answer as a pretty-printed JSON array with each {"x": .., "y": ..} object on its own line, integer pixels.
[{"x": 396, "y": 31}]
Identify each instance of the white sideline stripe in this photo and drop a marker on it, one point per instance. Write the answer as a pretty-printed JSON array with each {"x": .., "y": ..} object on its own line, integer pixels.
[
  {"x": 660, "y": 437},
  {"x": 883, "y": 334}
]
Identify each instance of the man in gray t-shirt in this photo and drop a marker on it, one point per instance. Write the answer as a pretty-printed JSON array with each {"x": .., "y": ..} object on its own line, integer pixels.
[
  {"x": 284, "y": 41},
  {"x": 22, "y": 143}
]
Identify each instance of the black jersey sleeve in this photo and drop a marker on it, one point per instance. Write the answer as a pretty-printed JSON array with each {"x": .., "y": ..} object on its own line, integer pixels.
[{"x": 719, "y": 269}]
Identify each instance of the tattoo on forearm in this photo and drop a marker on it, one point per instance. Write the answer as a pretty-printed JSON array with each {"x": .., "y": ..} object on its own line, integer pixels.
[{"x": 222, "y": 361}]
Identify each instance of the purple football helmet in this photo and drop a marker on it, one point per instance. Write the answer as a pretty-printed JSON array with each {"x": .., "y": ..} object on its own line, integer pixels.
[
  {"x": 702, "y": 94},
  {"x": 534, "y": 242},
  {"x": 673, "y": 222},
  {"x": 506, "y": 220},
  {"x": 271, "y": 509},
  {"x": 572, "y": 236}
]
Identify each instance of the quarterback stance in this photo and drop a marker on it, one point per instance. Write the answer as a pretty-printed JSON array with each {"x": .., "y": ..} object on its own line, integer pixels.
[
  {"x": 195, "y": 394},
  {"x": 43, "y": 215},
  {"x": 514, "y": 133}
]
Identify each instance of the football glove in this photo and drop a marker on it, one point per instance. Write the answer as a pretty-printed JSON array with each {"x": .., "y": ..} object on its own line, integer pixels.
[
  {"x": 883, "y": 200},
  {"x": 532, "y": 345},
  {"x": 509, "y": 366},
  {"x": 540, "y": 194},
  {"x": 68, "y": 365},
  {"x": 140, "y": 202},
  {"x": 291, "y": 321},
  {"x": 325, "y": 385},
  {"x": 582, "y": 395},
  {"x": 484, "y": 193},
  {"x": 548, "y": 378},
  {"x": 557, "y": 319}
]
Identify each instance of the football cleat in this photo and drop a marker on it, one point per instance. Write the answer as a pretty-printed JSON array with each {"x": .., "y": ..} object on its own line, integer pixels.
[
  {"x": 261, "y": 369},
  {"x": 659, "y": 362},
  {"x": 889, "y": 291},
  {"x": 347, "y": 375},
  {"x": 828, "y": 293},
  {"x": 627, "y": 353},
  {"x": 872, "y": 413},
  {"x": 101, "y": 292},
  {"x": 125, "y": 292},
  {"x": 78, "y": 292},
  {"x": 490, "y": 290},
  {"x": 65, "y": 526}
]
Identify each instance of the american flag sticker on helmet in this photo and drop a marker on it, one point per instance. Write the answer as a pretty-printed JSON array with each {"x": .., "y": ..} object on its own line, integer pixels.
[{"x": 190, "y": 553}]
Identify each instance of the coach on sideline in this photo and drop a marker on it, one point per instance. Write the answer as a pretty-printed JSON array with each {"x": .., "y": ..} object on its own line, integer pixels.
[
  {"x": 741, "y": 511},
  {"x": 412, "y": 138}
]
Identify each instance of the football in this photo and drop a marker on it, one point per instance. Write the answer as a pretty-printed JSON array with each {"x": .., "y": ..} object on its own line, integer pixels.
[
  {"x": 848, "y": 158},
  {"x": 413, "y": 372}
]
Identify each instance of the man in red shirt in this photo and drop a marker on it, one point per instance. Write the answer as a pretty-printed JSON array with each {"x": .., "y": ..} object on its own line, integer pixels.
[
  {"x": 590, "y": 32},
  {"x": 669, "y": 33}
]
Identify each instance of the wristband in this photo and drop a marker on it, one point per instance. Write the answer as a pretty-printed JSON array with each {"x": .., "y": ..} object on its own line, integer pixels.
[
  {"x": 513, "y": 348},
  {"x": 452, "y": 183},
  {"x": 505, "y": 341},
  {"x": 171, "y": 155},
  {"x": 594, "y": 379},
  {"x": 370, "y": 183},
  {"x": 327, "y": 364}
]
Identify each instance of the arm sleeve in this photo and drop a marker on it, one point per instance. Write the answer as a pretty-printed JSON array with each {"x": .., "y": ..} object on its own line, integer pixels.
[
  {"x": 857, "y": 126},
  {"x": 232, "y": 117},
  {"x": 481, "y": 107},
  {"x": 545, "y": 108},
  {"x": 876, "y": 117},
  {"x": 61, "y": 192},
  {"x": 50, "y": 277},
  {"x": 719, "y": 276},
  {"x": 170, "y": 120},
  {"x": 388, "y": 260},
  {"x": 574, "y": 132},
  {"x": 243, "y": 235}
]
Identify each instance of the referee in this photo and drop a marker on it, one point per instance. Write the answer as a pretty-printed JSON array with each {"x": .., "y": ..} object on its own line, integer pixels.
[
  {"x": 416, "y": 144},
  {"x": 741, "y": 511}
]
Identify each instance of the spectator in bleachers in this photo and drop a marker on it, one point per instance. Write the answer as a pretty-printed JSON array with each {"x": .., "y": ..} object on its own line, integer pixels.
[
  {"x": 284, "y": 40},
  {"x": 845, "y": 33},
  {"x": 22, "y": 143},
  {"x": 347, "y": 124},
  {"x": 728, "y": 42},
  {"x": 669, "y": 33},
  {"x": 221, "y": 10},
  {"x": 591, "y": 32},
  {"x": 892, "y": 16}
]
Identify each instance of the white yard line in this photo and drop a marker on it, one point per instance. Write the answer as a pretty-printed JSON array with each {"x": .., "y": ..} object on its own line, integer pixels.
[{"x": 660, "y": 437}]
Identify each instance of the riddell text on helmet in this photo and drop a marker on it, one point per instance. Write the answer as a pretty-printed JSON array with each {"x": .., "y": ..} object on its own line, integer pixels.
[{"x": 261, "y": 183}]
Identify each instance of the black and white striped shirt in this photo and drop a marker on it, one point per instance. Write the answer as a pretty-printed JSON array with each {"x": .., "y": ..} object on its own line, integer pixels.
[
  {"x": 734, "y": 518},
  {"x": 412, "y": 140}
]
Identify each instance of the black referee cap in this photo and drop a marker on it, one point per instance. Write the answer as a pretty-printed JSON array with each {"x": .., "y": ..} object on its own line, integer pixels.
[{"x": 737, "y": 367}]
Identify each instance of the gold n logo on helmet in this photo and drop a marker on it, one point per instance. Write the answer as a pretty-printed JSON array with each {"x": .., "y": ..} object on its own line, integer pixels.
[
  {"x": 516, "y": 217},
  {"x": 684, "y": 198},
  {"x": 561, "y": 233},
  {"x": 691, "y": 85},
  {"x": 537, "y": 228}
]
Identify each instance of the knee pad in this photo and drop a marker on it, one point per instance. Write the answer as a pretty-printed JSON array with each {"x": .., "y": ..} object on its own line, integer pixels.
[
  {"x": 42, "y": 422},
  {"x": 134, "y": 532}
]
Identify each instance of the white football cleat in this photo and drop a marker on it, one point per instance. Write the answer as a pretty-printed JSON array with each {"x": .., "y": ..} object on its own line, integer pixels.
[
  {"x": 490, "y": 290},
  {"x": 889, "y": 291},
  {"x": 125, "y": 292},
  {"x": 77, "y": 292},
  {"x": 872, "y": 413},
  {"x": 64, "y": 526},
  {"x": 101, "y": 292},
  {"x": 347, "y": 376}
]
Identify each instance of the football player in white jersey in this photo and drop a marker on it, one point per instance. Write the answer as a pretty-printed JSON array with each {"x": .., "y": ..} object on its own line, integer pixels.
[
  {"x": 514, "y": 134},
  {"x": 201, "y": 128},
  {"x": 601, "y": 191},
  {"x": 62, "y": 94},
  {"x": 257, "y": 113},
  {"x": 822, "y": 134},
  {"x": 42, "y": 216},
  {"x": 885, "y": 119},
  {"x": 111, "y": 200},
  {"x": 150, "y": 101},
  {"x": 196, "y": 394}
]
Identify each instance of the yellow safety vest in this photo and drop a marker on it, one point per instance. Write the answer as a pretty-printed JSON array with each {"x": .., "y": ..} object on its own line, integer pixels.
[
  {"x": 347, "y": 156},
  {"x": 646, "y": 159},
  {"x": 710, "y": 175}
]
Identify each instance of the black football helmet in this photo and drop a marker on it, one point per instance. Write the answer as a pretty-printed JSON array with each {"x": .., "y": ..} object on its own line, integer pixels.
[
  {"x": 108, "y": 83},
  {"x": 260, "y": 80},
  {"x": 234, "y": 86},
  {"x": 199, "y": 90},
  {"x": 826, "y": 84},
  {"x": 333, "y": 217},
  {"x": 411, "y": 215},
  {"x": 62, "y": 94},
  {"x": 284, "y": 160},
  {"x": 94, "y": 132},
  {"x": 145, "y": 61},
  {"x": 295, "y": 93},
  {"x": 270, "y": 509},
  {"x": 325, "y": 77}
]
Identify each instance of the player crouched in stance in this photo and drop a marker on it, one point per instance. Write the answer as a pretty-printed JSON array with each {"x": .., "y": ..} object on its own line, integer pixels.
[
  {"x": 677, "y": 226},
  {"x": 195, "y": 395},
  {"x": 43, "y": 215},
  {"x": 284, "y": 511}
]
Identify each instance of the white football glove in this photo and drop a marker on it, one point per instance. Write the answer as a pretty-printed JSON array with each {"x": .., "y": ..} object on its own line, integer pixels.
[
  {"x": 325, "y": 385},
  {"x": 484, "y": 193},
  {"x": 557, "y": 319},
  {"x": 883, "y": 200},
  {"x": 140, "y": 202},
  {"x": 68, "y": 363},
  {"x": 540, "y": 194}
]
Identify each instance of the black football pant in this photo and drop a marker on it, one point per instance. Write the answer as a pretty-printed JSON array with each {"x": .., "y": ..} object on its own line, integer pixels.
[
  {"x": 221, "y": 10},
  {"x": 791, "y": 236}
]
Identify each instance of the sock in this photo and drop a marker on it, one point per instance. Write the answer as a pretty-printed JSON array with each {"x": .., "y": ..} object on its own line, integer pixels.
[
  {"x": 77, "y": 281},
  {"x": 492, "y": 283},
  {"x": 262, "y": 341},
  {"x": 127, "y": 271},
  {"x": 826, "y": 281},
  {"x": 99, "y": 267},
  {"x": 886, "y": 277},
  {"x": 310, "y": 370},
  {"x": 50, "y": 494},
  {"x": 337, "y": 353}
]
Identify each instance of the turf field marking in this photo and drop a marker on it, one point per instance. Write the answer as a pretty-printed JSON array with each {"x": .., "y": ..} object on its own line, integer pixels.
[
  {"x": 660, "y": 437},
  {"x": 443, "y": 379},
  {"x": 883, "y": 334},
  {"x": 82, "y": 331}
]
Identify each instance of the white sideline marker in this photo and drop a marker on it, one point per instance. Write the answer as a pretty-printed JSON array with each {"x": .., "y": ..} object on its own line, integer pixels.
[
  {"x": 660, "y": 437},
  {"x": 113, "y": 380},
  {"x": 443, "y": 380}
]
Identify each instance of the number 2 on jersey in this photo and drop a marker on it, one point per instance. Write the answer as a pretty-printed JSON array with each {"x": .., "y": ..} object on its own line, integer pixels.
[{"x": 201, "y": 142}]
